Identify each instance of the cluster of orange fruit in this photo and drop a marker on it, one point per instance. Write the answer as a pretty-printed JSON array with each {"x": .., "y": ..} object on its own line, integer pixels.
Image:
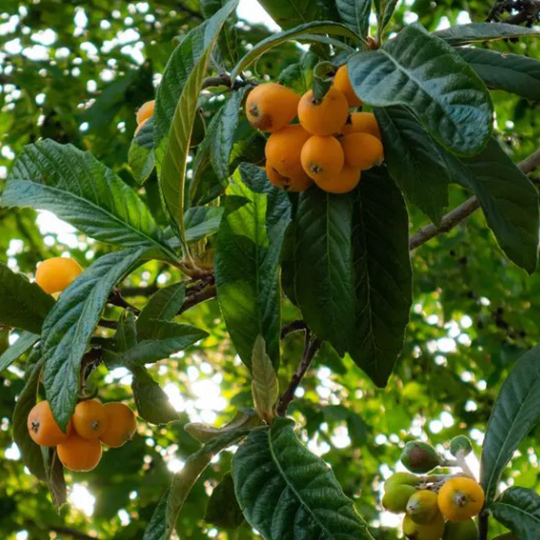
[
  {"x": 330, "y": 146},
  {"x": 92, "y": 424}
]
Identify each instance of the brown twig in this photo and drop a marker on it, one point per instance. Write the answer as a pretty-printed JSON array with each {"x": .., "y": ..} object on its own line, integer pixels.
[
  {"x": 197, "y": 297},
  {"x": 181, "y": 6},
  {"x": 462, "y": 212},
  {"x": 294, "y": 326},
  {"x": 116, "y": 299},
  {"x": 139, "y": 291},
  {"x": 225, "y": 80}
]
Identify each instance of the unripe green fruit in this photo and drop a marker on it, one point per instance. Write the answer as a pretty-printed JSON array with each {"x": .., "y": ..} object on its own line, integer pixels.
[
  {"x": 401, "y": 478},
  {"x": 460, "y": 445},
  {"x": 396, "y": 498},
  {"x": 430, "y": 531},
  {"x": 465, "y": 530},
  {"x": 423, "y": 507},
  {"x": 420, "y": 457}
]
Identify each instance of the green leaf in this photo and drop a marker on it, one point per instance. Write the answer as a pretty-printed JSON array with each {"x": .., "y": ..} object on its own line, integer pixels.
[
  {"x": 291, "y": 13},
  {"x": 355, "y": 14},
  {"x": 202, "y": 221},
  {"x": 72, "y": 322},
  {"x": 264, "y": 387},
  {"x": 22, "y": 304},
  {"x": 223, "y": 509},
  {"x": 228, "y": 41},
  {"x": 323, "y": 281},
  {"x": 163, "y": 305},
  {"x": 30, "y": 451},
  {"x": 518, "y": 509},
  {"x": 507, "y": 197},
  {"x": 389, "y": 7},
  {"x": 176, "y": 109},
  {"x": 54, "y": 471},
  {"x": 288, "y": 493},
  {"x": 414, "y": 161},
  {"x": 152, "y": 402},
  {"x": 141, "y": 153},
  {"x": 383, "y": 280},
  {"x": 477, "y": 32},
  {"x": 82, "y": 191},
  {"x": 425, "y": 74},
  {"x": 509, "y": 72},
  {"x": 248, "y": 247},
  {"x": 155, "y": 530},
  {"x": 305, "y": 32},
  {"x": 515, "y": 413},
  {"x": 126, "y": 332},
  {"x": 164, "y": 339},
  {"x": 204, "y": 433},
  {"x": 23, "y": 344},
  {"x": 184, "y": 480}
]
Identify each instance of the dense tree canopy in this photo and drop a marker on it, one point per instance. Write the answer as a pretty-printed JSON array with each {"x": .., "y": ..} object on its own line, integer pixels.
[{"x": 76, "y": 72}]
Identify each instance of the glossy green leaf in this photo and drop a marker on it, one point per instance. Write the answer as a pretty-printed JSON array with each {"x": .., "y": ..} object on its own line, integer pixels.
[
  {"x": 291, "y": 13},
  {"x": 126, "y": 332},
  {"x": 507, "y": 197},
  {"x": 30, "y": 451},
  {"x": 288, "y": 493},
  {"x": 141, "y": 152},
  {"x": 204, "y": 433},
  {"x": 22, "y": 304},
  {"x": 355, "y": 14},
  {"x": 176, "y": 109},
  {"x": 155, "y": 529},
  {"x": 71, "y": 323},
  {"x": 223, "y": 509},
  {"x": 323, "y": 281},
  {"x": 82, "y": 191},
  {"x": 23, "y": 344},
  {"x": 228, "y": 41},
  {"x": 248, "y": 247},
  {"x": 514, "y": 414},
  {"x": 163, "y": 305},
  {"x": 202, "y": 221},
  {"x": 383, "y": 275},
  {"x": 425, "y": 74},
  {"x": 518, "y": 509},
  {"x": 303, "y": 32},
  {"x": 414, "y": 161},
  {"x": 465, "y": 34},
  {"x": 264, "y": 386},
  {"x": 509, "y": 72},
  {"x": 152, "y": 402},
  {"x": 389, "y": 7}
]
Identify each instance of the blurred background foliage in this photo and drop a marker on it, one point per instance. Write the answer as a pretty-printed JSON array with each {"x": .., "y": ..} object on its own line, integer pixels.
[{"x": 76, "y": 71}]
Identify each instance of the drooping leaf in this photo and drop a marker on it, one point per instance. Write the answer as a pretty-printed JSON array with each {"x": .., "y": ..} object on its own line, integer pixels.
[
  {"x": 54, "y": 471},
  {"x": 141, "y": 152},
  {"x": 22, "y": 304},
  {"x": 223, "y": 510},
  {"x": 465, "y": 34},
  {"x": 510, "y": 72},
  {"x": 152, "y": 402},
  {"x": 323, "y": 281},
  {"x": 155, "y": 530},
  {"x": 24, "y": 343},
  {"x": 383, "y": 275},
  {"x": 355, "y": 14},
  {"x": 306, "y": 32},
  {"x": 126, "y": 332},
  {"x": 414, "y": 161},
  {"x": 71, "y": 323},
  {"x": 228, "y": 41},
  {"x": 82, "y": 191},
  {"x": 507, "y": 197},
  {"x": 202, "y": 221},
  {"x": 389, "y": 7},
  {"x": 163, "y": 305},
  {"x": 286, "y": 492},
  {"x": 515, "y": 413},
  {"x": 30, "y": 451},
  {"x": 425, "y": 74},
  {"x": 264, "y": 386},
  {"x": 518, "y": 509},
  {"x": 248, "y": 246},
  {"x": 176, "y": 108},
  {"x": 291, "y": 13}
]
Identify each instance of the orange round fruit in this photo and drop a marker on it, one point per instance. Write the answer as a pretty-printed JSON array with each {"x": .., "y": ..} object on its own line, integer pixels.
[
  {"x": 43, "y": 428},
  {"x": 271, "y": 106},
  {"x": 90, "y": 419},
  {"x": 362, "y": 150},
  {"x": 460, "y": 499},
  {"x": 324, "y": 117},
  {"x": 145, "y": 112},
  {"x": 362, "y": 122},
  {"x": 294, "y": 184},
  {"x": 343, "y": 84},
  {"x": 322, "y": 158},
  {"x": 140, "y": 126},
  {"x": 79, "y": 454},
  {"x": 343, "y": 182},
  {"x": 56, "y": 274},
  {"x": 121, "y": 425}
]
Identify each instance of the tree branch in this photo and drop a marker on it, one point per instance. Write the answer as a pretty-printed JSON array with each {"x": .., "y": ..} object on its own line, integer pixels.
[
  {"x": 294, "y": 326},
  {"x": 197, "y": 297},
  {"x": 459, "y": 214}
]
